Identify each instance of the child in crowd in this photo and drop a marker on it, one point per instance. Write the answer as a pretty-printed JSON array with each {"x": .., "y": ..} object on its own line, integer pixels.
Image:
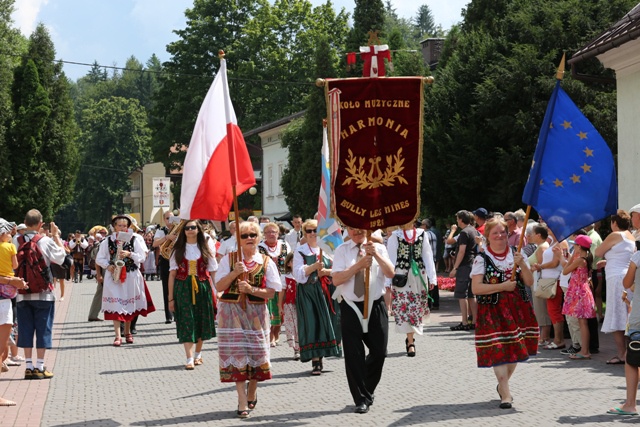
[
  {"x": 578, "y": 301},
  {"x": 288, "y": 307}
]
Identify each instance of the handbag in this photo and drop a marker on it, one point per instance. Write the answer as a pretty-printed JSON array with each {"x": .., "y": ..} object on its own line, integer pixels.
[
  {"x": 399, "y": 280},
  {"x": 546, "y": 288},
  {"x": 8, "y": 291},
  {"x": 633, "y": 350}
]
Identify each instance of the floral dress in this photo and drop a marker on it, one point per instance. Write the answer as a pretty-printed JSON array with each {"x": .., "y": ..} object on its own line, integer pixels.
[
  {"x": 506, "y": 328},
  {"x": 410, "y": 303},
  {"x": 578, "y": 300}
]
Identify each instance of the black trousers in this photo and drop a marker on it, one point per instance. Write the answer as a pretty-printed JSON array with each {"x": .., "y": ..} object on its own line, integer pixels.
[
  {"x": 163, "y": 266},
  {"x": 364, "y": 371}
]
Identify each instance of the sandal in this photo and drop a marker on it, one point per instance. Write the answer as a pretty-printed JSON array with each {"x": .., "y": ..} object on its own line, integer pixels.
[
  {"x": 459, "y": 327},
  {"x": 470, "y": 327},
  {"x": 411, "y": 353},
  {"x": 615, "y": 360},
  {"x": 128, "y": 338},
  {"x": 253, "y": 403},
  {"x": 117, "y": 342},
  {"x": 198, "y": 361},
  {"x": 242, "y": 413},
  {"x": 317, "y": 367}
]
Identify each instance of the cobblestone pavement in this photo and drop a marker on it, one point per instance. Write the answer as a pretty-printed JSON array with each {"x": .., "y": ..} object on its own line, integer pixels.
[{"x": 145, "y": 384}]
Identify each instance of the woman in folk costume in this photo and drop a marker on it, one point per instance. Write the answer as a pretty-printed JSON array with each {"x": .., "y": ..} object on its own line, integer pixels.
[
  {"x": 243, "y": 318},
  {"x": 192, "y": 262},
  {"x": 277, "y": 250},
  {"x": 126, "y": 296},
  {"x": 318, "y": 316},
  {"x": 410, "y": 246},
  {"x": 506, "y": 328}
]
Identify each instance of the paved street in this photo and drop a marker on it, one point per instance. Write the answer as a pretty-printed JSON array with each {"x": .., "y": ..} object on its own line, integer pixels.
[{"x": 145, "y": 384}]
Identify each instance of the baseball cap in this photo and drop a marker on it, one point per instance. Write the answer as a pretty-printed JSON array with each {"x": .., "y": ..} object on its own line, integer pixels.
[
  {"x": 584, "y": 241},
  {"x": 635, "y": 209},
  {"x": 481, "y": 213},
  {"x": 21, "y": 227}
]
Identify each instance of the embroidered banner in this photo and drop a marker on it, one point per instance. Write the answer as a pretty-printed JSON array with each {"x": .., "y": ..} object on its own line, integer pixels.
[{"x": 376, "y": 150}]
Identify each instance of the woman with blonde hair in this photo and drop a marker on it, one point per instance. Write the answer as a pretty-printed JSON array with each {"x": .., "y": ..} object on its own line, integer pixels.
[
  {"x": 277, "y": 250},
  {"x": 506, "y": 328},
  {"x": 247, "y": 283},
  {"x": 318, "y": 316}
]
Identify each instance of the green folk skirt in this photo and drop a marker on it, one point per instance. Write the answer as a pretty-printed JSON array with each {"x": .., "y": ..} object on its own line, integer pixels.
[
  {"x": 319, "y": 331},
  {"x": 193, "y": 321}
]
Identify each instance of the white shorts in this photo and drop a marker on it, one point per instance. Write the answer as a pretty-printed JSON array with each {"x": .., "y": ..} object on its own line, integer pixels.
[{"x": 6, "y": 312}]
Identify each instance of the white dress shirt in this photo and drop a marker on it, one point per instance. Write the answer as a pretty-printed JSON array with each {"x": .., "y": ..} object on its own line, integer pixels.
[{"x": 345, "y": 256}]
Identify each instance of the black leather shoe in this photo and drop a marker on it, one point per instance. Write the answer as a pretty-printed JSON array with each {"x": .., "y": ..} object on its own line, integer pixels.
[
  {"x": 166, "y": 322},
  {"x": 362, "y": 408}
]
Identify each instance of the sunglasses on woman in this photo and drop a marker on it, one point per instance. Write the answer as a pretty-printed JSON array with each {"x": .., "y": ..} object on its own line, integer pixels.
[
  {"x": 249, "y": 235},
  {"x": 311, "y": 230},
  {"x": 190, "y": 227}
]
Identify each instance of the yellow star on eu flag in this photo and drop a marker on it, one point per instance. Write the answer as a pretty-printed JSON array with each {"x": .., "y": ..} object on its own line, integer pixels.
[
  {"x": 566, "y": 125},
  {"x": 575, "y": 178},
  {"x": 582, "y": 135},
  {"x": 588, "y": 152},
  {"x": 586, "y": 168},
  {"x": 558, "y": 183}
]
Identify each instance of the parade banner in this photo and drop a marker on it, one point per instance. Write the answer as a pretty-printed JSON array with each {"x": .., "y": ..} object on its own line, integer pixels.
[
  {"x": 376, "y": 150},
  {"x": 161, "y": 192}
]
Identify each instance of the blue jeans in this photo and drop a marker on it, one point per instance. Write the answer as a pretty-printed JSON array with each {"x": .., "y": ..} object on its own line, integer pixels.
[{"x": 35, "y": 316}]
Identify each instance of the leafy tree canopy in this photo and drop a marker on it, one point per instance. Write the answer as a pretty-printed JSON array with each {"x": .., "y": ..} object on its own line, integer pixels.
[{"x": 493, "y": 83}]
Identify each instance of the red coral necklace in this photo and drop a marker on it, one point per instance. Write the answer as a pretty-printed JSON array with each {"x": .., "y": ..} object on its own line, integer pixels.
[{"x": 500, "y": 257}]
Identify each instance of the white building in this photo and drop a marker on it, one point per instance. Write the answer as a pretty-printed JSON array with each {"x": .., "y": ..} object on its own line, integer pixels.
[{"x": 274, "y": 162}]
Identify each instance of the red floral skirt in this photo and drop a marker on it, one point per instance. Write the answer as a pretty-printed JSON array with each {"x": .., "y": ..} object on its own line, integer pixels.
[{"x": 506, "y": 332}]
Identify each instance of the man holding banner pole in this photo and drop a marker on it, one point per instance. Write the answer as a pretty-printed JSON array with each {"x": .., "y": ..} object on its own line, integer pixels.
[{"x": 351, "y": 260}]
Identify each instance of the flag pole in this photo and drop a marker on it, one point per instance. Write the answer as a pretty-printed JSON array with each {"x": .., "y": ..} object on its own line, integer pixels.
[
  {"x": 559, "y": 77},
  {"x": 234, "y": 174}
]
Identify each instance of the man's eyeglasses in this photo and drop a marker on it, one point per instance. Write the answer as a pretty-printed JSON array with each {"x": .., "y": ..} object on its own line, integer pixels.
[
  {"x": 249, "y": 235},
  {"x": 311, "y": 230},
  {"x": 190, "y": 227}
]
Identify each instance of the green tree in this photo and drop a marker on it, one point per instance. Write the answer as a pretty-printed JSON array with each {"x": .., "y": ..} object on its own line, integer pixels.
[
  {"x": 268, "y": 48},
  {"x": 493, "y": 83},
  {"x": 43, "y": 148},
  {"x": 116, "y": 139},
  {"x": 368, "y": 15},
  {"x": 424, "y": 23},
  {"x": 30, "y": 175},
  {"x": 13, "y": 45}
]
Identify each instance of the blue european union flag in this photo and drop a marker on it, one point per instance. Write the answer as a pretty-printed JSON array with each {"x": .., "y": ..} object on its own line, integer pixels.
[{"x": 572, "y": 182}]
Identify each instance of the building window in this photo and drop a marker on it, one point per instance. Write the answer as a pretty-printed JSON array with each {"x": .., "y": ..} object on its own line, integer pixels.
[
  {"x": 270, "y": 181},
  {"x": 280, "y": 171}
]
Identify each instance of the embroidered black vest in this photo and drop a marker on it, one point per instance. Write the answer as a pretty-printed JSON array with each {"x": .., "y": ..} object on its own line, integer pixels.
[
  {"x": 407, "y": 251},
  {"x": 279, "y": 259},
  {"x": 493, "y": 275},
  {"x": 129, "y": 264}
]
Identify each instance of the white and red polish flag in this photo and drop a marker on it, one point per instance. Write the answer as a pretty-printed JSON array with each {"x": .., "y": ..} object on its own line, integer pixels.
[{"x": 217, "y": 158}]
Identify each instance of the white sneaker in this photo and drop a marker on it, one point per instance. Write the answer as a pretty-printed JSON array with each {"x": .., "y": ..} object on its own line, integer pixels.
[
  {"x": 17, "y": 358},
  {"x": 10, "y": 362}
]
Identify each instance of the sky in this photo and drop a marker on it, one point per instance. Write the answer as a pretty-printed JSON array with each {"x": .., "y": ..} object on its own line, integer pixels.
[{"x": 110, "y": 31}]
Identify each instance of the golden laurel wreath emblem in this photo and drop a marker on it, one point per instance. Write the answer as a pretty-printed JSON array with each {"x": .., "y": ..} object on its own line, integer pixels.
[{"x": 375, "y": 177}]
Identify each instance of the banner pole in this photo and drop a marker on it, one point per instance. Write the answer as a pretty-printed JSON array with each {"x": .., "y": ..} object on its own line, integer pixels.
[{"x": 365, "y": 311}]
